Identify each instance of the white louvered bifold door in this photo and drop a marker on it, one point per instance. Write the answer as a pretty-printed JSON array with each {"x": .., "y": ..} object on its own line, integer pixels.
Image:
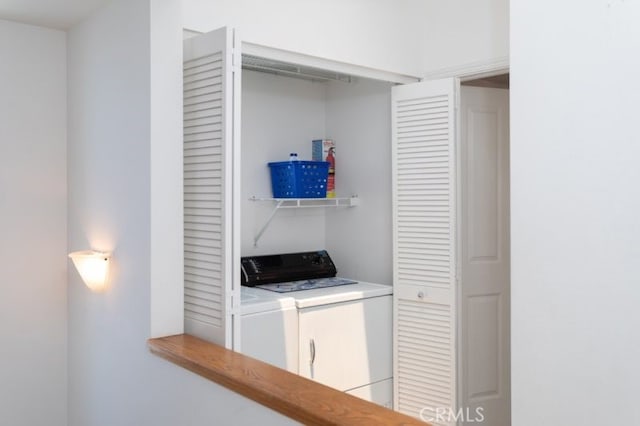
[
  {"x": 210, "y": 257},
  {"x": 424, "y": 179}
]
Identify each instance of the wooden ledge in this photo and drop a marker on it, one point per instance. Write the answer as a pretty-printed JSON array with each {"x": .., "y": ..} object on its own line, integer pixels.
[{"x": 294, "y": 396}]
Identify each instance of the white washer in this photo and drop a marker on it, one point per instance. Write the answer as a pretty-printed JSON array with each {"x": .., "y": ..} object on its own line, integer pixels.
[
  {"x": 269, "y": 327},
  {"x": 269, "y": 320}
]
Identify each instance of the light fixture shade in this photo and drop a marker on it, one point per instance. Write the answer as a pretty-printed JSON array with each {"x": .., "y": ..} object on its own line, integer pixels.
[{"x": 93, "y": 267}]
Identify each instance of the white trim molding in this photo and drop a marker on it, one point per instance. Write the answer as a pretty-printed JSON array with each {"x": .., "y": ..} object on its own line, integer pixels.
[
  {"x": 471, "y": 70},
  {"x": 325, "y": 64},
  {"x": 297, "y": 58}
]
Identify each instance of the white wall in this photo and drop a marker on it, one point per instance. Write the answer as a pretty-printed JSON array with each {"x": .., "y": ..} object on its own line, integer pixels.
[
  {"x": 575, "y": 203},
  {"x": 167, "y": 220},
  {"x": 359, "y": 120},
  {"x": 461, "y": 33},
  {"x": 279, "y": 115},
  {"x": 33, "y": 243},
  {"x": 383, "y": 34},
  {"x": 113, "y": 144},
  {"x": 412, "y": 37}
]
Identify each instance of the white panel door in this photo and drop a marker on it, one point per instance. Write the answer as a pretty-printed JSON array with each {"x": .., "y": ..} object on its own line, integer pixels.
[
  {"x": 485, "y": 354},
  {"x": 211, "y": 185},
  {"x": 424, "y": 249}
]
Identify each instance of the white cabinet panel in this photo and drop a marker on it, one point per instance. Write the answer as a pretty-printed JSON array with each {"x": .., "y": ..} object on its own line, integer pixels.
[
  {"x": 346, "y": 345},
  {"x": 272, "y": 337}
]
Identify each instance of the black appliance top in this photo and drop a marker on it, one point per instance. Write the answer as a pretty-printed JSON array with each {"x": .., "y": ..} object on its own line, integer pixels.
[{"x": 278, "y": 268}]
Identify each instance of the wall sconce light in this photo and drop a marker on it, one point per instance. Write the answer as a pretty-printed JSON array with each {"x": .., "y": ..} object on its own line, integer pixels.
[{"x": 93, "y": 267}]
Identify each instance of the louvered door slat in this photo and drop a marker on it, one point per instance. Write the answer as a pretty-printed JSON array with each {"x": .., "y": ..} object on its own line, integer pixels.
[
  {"x": 425, "y": 371},
  {"x": 208, "y": 308},
  {"x": 208, "y": 167},
  {"x": 424, "y": 249}
]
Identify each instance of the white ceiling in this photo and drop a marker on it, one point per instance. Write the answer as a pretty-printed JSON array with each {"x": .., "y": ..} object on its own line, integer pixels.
[{"x": 60, "y": 14}]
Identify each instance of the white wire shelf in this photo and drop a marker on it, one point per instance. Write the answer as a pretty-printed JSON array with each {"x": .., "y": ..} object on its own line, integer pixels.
[{"x": 301, "y": 203}]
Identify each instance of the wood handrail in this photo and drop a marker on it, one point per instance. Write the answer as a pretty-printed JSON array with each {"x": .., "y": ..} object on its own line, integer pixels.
[{"x": 294, "y": 396}]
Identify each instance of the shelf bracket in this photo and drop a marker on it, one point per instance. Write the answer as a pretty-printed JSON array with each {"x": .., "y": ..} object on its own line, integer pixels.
[{"x": 267, "y": 222}]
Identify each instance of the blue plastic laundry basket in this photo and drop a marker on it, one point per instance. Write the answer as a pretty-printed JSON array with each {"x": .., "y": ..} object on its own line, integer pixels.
[{"x": 299, "y": 179}]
